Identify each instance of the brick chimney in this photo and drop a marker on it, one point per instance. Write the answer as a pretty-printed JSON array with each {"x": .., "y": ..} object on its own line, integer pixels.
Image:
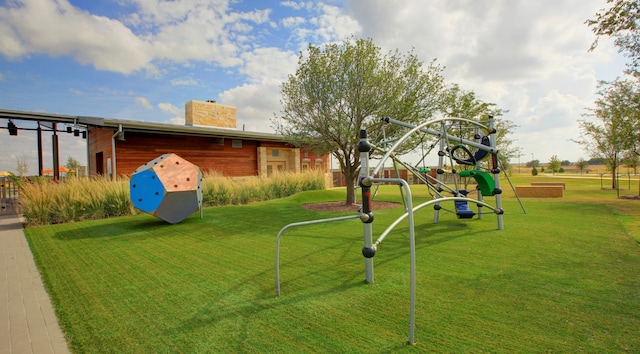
[{"x": 210, "y": 114}]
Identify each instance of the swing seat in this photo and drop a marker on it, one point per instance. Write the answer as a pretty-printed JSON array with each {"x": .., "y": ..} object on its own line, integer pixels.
[
  {"x": 463, "y": 211},
  {"x": 462, "y": 207}
]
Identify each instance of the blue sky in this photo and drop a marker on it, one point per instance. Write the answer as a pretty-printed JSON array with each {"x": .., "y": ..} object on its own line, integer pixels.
[{"x": 144, "y": 59}]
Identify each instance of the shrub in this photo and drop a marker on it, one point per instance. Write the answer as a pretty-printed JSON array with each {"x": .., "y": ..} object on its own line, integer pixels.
[{"x": 534, "y": 171}]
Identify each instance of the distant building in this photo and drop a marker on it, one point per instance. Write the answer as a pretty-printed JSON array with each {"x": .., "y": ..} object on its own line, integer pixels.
[{"x": 209, "y": 139}]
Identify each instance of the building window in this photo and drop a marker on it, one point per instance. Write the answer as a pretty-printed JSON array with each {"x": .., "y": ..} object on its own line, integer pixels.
[
  {"x": 237, "y": 144},
  {"x": 275, "y": 153}
]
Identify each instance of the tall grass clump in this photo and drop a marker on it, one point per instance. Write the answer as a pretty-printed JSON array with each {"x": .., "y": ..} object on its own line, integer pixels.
[
  {"x": 221, "y": 190},
  {"x": 44, "y": 202}
]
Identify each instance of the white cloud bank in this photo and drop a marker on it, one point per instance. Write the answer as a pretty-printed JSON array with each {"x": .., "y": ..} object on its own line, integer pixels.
[{"x": 528, "y": 57}]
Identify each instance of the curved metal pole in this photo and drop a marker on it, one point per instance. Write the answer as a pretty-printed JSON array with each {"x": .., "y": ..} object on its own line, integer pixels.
[
  {"x": 412, "y": 253},
  {"x": 303, "y": 223},
  {"x": 422, "y": 128},
  {"x": 433, "y": 201}
]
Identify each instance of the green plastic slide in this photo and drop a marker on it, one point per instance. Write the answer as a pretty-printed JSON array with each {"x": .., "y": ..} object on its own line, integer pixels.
[{"x": 485, "y": 181}]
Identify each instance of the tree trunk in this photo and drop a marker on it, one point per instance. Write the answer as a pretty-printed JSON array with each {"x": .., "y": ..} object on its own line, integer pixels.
[
  {"x": 350, "y": 178},
  {"x": 614, "y": 168}
]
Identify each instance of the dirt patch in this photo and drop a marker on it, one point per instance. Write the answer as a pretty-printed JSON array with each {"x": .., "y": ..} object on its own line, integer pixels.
[
  {"x": 634, "y": 197},
  {"x": 341, "y": 206}
]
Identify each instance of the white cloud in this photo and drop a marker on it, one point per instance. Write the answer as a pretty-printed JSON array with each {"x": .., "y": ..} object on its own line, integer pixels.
[
  {"x": 177, "y": 31},
  {"x": 326, "y": 24},
  {"x": 255, "y": 105},
  {"x": 176, "y": 120},
  {"x": 527, "y": 57},
  {"x": 144, "y": 102},
  {"x": 297, "y": 5},
  {"x": 268, "y": 65},
  {"x": 258, "y": 100},
  {"x": 171, "y": 109},
  {"x": 57, "y": 28},
  {"x": 289, "y": 22},
  {"x": 184, "y": 82}
]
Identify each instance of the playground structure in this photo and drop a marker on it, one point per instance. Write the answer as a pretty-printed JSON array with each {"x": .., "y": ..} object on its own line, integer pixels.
[
  {"x": 167, "y": 187},
  {"x": 488, "y": 185}
]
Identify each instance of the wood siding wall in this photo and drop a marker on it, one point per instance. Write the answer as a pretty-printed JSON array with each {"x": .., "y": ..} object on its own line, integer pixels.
[
  {"x": 230, "y": 157},
  {"x": 99, "y": 140},
  {"x": 210, "y": 154}
]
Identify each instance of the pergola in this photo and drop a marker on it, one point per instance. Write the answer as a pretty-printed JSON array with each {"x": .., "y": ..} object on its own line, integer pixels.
[{"x": 46, "y": 122}]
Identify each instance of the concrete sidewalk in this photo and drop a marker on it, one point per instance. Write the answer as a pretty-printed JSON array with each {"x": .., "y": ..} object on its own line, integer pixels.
[{"x": 28, "y": 323}]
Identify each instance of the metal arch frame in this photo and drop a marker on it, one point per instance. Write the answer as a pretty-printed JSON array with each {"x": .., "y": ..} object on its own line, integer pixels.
[
  {"x": 439, "y": 134},
  {"x": 365, "y": 214},
  {"x": 442, "y": 135}
]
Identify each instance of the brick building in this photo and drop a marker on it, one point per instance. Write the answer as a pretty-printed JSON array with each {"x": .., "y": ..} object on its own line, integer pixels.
[{"x": 209, "y": 139}]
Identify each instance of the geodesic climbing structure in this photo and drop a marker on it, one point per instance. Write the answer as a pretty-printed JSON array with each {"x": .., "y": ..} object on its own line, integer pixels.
[{"x": 168, "y": 187}]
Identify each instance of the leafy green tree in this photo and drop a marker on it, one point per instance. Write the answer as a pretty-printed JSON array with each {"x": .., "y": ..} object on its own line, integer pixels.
[
  {"x": 533, "y": 163},
  {"x": 554, "y": 164},
  {"x": 73, "y": 165},
  {"x": 616, "y": 122},
  {"x": 621, "y": 21},
  {"x": 344, "y": 87},
  {"x": 565, "y": 163},
  {"x": 582, "y": 164},
  {"x": 631, "y": 160}
]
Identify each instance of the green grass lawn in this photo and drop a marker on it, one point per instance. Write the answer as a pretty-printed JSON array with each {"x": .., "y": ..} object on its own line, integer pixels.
[{"x": 564, "y": 277}]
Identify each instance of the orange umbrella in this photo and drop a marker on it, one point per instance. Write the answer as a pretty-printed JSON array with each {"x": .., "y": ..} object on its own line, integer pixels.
[{"x": 62, "y": 170}]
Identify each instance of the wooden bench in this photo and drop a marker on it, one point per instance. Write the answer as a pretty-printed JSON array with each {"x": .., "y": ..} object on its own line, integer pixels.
[
  {"x": 549, "y": 184},
  {"x": 540, "y": 191}
]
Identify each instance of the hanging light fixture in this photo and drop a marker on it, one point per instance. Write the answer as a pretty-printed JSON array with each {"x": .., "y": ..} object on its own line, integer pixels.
[{"x": 13, "y": 130}]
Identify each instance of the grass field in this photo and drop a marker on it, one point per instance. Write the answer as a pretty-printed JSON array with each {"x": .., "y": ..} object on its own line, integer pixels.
[{"x": 564, "y": 277}]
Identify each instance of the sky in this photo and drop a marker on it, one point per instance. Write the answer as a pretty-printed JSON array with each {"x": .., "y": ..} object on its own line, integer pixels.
[{"x": 144, "y": 59}]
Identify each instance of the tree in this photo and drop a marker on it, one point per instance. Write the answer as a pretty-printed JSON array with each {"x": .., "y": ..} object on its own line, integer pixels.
[
  {"x": 581, "y": 164},
  {"x": 631, "y": 160},
  {"x": 565, "y": 163},
  {"x": 554, "y": 164},
  {"x": 342, "y": 88},
  {"x": 533, "y": 163},
  {"x": 73, "y": 165},
  {"x": 622, "y": 23},
  {"x": 464, "y": 104},
  {"x": 615, "y": 129},
  {"x": 22, "y": 166}
]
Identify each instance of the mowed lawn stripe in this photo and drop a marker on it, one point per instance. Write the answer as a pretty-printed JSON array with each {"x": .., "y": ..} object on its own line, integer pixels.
[{"x": 551, "y": 281}]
